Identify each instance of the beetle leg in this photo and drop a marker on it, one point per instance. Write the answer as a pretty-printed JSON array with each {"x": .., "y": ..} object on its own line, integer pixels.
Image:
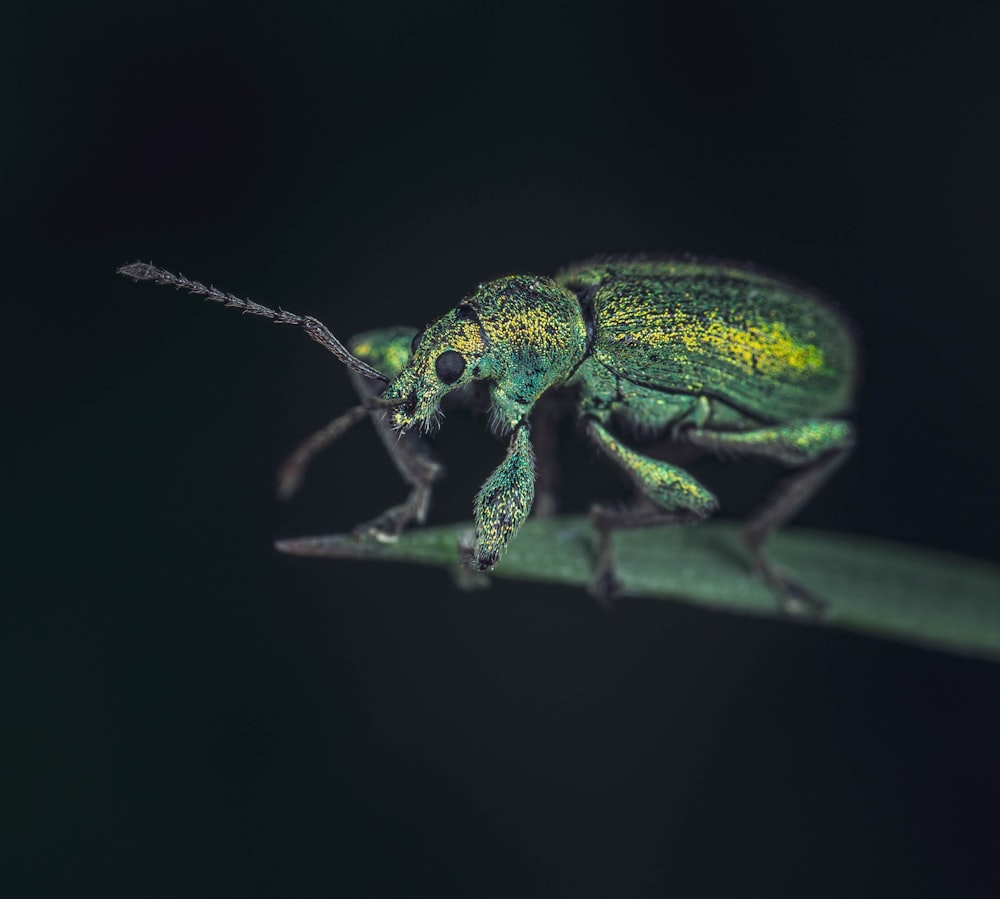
[
  {"x": 504, "y": 501},
  {"x": 817, "y": 449},
  {"x": 413, "y": 460},
  {"x": 668, "y": 486},
  {"x": 408, "y": 453},
  {"x": 677, "y": 496},
  {"x": 420, "y": 472},
  {"x": 293, "y": 470},
  {"x": 605, "y": 585},
  {"x": 794, "y": 444}
]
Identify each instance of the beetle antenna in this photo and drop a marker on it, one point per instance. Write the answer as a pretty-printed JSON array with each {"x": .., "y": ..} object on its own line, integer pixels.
[{"x": 143, "y": 271}]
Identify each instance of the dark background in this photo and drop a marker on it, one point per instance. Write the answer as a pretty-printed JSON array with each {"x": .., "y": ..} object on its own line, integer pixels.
[{"x": 189, "y": 713}]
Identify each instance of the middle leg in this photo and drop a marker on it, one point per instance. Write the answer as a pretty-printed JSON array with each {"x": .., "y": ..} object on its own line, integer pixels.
[{"x": 674, "y": 496}]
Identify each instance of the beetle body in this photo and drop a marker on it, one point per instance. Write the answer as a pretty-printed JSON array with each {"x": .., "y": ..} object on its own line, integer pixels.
[{"x": 715, "y": 354}]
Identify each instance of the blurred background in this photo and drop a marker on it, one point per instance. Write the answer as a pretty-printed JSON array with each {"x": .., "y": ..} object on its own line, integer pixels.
[{"x": 189, "y": 713}]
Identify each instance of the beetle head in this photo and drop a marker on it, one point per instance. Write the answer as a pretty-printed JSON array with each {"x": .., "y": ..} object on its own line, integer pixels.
[
  {"x": 445, "y": 356},
  {"x": 522, "y": 333}
]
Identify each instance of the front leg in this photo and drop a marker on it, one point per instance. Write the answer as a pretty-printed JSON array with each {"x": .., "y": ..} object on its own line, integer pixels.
[
  {"x": 504, "y": 501},
  {"x": 408, "y": 452}
]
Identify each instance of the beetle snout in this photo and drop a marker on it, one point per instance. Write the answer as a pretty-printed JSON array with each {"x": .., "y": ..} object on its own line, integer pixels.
[{"x": 403, "y": 413}]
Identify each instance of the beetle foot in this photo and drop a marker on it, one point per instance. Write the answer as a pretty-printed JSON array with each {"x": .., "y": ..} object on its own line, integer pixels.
[
  {"x": 795, "y": 600},
  {"x": 385, "y": 528},
  {"x": 467, "y": 578},
  {"x": 467, "y": 549},
  {"x": 605, "y": 587},
  {"x": 485, "y": 561}
]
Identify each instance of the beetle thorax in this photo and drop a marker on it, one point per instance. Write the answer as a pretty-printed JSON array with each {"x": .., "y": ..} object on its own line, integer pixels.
[{"x": 536, "y": 336}]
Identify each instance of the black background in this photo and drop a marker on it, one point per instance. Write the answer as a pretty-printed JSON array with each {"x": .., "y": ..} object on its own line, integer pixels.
[{"x": 189, "y": 713}]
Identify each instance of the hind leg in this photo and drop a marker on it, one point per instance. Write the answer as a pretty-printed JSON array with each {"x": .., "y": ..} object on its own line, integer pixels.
[{"x": 816, "y": 448}]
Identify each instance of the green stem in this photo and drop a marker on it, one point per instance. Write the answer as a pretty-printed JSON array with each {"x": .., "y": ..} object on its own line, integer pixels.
[{"x": 898, "y": 592}]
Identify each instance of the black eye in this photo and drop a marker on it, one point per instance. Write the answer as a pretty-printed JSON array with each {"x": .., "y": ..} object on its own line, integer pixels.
[
  {"x": 416, "y": 340},
  {"x": 449, "y": 366}
]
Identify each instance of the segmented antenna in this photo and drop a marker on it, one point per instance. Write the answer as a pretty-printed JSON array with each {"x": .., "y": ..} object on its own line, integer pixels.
[{"x": 143, "y": 271}]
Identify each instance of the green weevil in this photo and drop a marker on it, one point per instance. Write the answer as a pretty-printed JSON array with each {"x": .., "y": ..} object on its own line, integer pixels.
[{"x": 715, "y": 354}]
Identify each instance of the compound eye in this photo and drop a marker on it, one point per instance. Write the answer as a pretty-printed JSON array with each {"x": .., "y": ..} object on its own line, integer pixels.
[
  {"x": 416, "y": 341},
  {"x": 449, "y": 366}
]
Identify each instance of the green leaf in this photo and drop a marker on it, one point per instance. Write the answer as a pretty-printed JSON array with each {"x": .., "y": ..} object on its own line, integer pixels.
[{"x": 902, "y": 593}]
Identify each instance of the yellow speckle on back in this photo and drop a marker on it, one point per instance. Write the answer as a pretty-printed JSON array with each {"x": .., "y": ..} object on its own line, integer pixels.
[
  {"x": 769, "y": 349},
  {"x": 761, "y": 347},
  {"x": 688, "y": 326}
]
